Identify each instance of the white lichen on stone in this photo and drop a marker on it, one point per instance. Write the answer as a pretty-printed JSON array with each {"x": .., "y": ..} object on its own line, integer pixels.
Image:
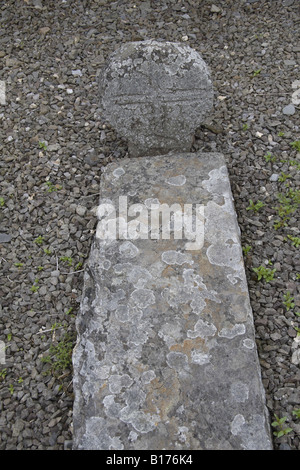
[
  {"x": 238, "y": 329},
  {"x": 128, "y": 250},
  {"x": 199, "y": 357},
  {"x": 237, "y": 424},
  {"x": 143, "y": 297},
  {"x": 176, "y": 180},
  {"x": 182, "y": 433},
  {"x": 117, "y": 382},
  {"x": 239, "y": 391},
  {"x": 176, "y": 257},
  {"x": 148, "y": 376},
  {"x": 202, "y": 329},
  {"x": 178, "y": 361},
  {"x": 249, "y": 343},
  {"x": 118, "y": 172}
]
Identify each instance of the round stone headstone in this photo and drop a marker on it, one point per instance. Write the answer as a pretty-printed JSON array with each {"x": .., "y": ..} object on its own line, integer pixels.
[{"x": 155, "y": 94}]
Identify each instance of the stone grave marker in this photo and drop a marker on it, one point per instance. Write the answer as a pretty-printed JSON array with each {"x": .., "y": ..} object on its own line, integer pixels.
[
  {"x": 156, "y": 94},
  {"x": 166, "y": 355}
]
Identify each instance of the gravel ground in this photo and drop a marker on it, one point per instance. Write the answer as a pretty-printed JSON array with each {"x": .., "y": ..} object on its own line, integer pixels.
[{"x": 54, "y": 142}]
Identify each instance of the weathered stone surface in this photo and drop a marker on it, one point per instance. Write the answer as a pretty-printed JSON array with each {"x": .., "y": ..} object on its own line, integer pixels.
[
  {"x": 166, "y": 356},
  {"x": 156, "y": 94}
]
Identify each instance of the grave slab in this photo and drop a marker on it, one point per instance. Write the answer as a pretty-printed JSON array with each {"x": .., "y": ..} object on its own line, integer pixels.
[{"x": 166, "y": 355}]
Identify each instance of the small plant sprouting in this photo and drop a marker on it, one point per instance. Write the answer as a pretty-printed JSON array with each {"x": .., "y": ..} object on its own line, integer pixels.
[
  {"x": 295, "y": 240},
  {"x": 246, "y": 249},
  {"x": 3, "y": 373},
  {"x": 283, "y": 177},
  {"x": 288, "y": 301},
  {"x": 43, "y": 145},
  {"x": 279, "y": 224},
  {"x": 296, "y": 145},
  {"x": 52, "y": 187},
  {"x": 280, "y": 134},
  {"x": 298, "y": 331},
  {"x": 47, "y": 251},
  {"x": 245, "y": 127},
  {"x": 35, "y": 287},
  {"x": 282, "y": 429},
  {"x": 255, "y": 207},
  {"x": 264, "y": 273},
  {"x": 289, "y": 202},
  {"x": 11, "y": 388},
  {"x": 2, "y": 202},
  {"x": 67, "y": 259},
  {"x": 19, "y": 265},
  {"x": 39, "y": 240},
  {"x": 270, "y": 158},
  {"x": 60, "y": 356},
  {"x": 295, "y": 163},
  {"x": 296, "y": 412},
  {"x": 256, "y": 72}
]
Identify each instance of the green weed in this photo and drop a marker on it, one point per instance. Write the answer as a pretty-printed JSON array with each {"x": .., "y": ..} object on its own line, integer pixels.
[
  {"x": 3, "y": 374},
  {"x": 60, "y": 356},
  {"x": 264, "y": 273},
  {"x": 43, "y": 145},
  {"x": 67, "y": 259},
  {"x": 288, "y": 301},
  {"x": 256, "y": 73},
  {"x": 19, "y": 265},
  {"x": 270, "y": 158},
  {"x": 255, "y": 207},
  {"x": 296, "y": 413},
  {"x": 296, "y": 145},
  {"x": 289, "y": 203},
  {"x": 295, "y": 163},
  {"x": 283, "y": 177},
  {"x": 52, "y": 187},
  {"x": 246, "y": 249},
  {"x": 295, "y": 240},
  {"x": 35, "y": 287},
  {"x": 39, "y": 240},
  {"x": 282, "y": 429}
]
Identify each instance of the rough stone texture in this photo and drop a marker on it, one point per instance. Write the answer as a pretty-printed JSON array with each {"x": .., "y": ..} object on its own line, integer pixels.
[
  {"x": 166, "y": 355},
  {"x": 37, "y": 70},
  {"x": 156, "y": 94}
]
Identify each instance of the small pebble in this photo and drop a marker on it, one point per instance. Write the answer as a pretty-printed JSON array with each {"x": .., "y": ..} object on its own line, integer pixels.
[
  {"x": 274, "y": 177},
  {"x": 289, "y": 110}
]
